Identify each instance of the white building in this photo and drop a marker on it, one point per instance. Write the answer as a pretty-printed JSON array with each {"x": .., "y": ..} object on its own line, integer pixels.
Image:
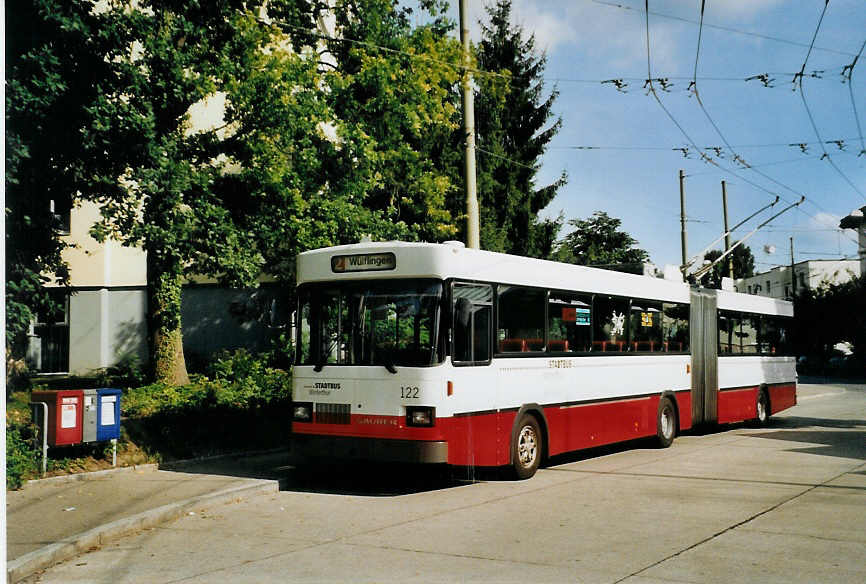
[{"x": 809, "y": 274}]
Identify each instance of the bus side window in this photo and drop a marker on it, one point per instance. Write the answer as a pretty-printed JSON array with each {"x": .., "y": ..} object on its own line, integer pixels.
[{"x": 472, "y": 318}]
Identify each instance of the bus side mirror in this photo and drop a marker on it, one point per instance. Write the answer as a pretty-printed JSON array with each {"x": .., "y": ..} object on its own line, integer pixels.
[{"x": 463, "y": 311}]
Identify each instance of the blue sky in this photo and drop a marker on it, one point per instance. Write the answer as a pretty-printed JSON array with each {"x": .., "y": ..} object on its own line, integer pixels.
[{"x": 634, "y": 173}]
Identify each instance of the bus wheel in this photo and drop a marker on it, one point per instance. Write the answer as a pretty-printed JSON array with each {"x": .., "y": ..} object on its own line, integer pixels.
[
  {"x": 762, "y": 415},
  {"x": 526, "y": 447},
  {"x": 666, "y": 423}
]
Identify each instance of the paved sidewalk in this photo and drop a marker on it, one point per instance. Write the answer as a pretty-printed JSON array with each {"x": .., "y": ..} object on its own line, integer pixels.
[{"x": 54, "y": 519}]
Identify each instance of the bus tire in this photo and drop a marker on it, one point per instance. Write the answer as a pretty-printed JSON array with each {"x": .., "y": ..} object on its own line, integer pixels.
[
  {"x": 526, "y": 447},
  {"x": 666, "y": 423},
  {"x": 762, "y": 408}
]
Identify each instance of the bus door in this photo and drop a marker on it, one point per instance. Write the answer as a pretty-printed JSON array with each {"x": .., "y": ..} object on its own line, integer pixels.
[{"x": 705, "y": 369}]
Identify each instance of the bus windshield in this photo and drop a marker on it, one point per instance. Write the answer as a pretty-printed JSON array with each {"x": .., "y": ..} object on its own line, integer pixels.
[{"x": 371, "y": 322}]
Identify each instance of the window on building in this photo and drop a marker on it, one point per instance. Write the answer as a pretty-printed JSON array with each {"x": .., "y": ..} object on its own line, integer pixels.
[
  {"x": 569, "y": 322},
  {"x": 769, "y": 288},
  {"x": 61, "y": 213},
  {"x": 520, "y": 314}
]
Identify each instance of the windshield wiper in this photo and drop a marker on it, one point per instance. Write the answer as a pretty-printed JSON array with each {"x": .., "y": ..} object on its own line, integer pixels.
[{"x": 387, "y": 360}]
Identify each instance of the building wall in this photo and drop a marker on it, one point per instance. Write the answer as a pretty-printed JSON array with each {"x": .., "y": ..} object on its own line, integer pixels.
[{"x": 776, "y": 283}]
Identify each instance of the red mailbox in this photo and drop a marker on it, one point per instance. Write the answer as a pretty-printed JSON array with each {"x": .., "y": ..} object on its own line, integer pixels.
[{"x": 65, "y": 415}]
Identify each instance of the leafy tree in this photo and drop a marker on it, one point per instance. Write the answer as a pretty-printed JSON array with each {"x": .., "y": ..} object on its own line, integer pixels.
[
  {"x": 513, "y": 125},
  {"x": 309, "y": 152},
  {"x": 392, "y": 87},
  {"x": 829, "y": 314},
  {"x": 744, "y": 266},
  {"x": 46, "y": 81},
  {"x": 598, "y": 242}
]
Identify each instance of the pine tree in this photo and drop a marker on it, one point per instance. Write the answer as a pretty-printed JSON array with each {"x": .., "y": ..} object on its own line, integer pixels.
[{"x": 512, "y": 135}]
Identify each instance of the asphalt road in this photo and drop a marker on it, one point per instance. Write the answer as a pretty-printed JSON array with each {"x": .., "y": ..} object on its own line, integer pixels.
[{"x": 786, "y": 504}]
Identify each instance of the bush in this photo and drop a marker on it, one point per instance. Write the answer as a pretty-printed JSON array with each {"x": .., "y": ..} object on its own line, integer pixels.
[
  {"x": 127, "y": 373},
  {"x": 21, "y": 456}
]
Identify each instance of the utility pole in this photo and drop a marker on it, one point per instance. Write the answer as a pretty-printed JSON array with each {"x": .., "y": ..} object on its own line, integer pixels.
[
  {"x": 793, "y": 276},
  {"x": 727, "y": 232},
  {"x": 472, "y": 228},
  {"x": 683, "y": 267}
]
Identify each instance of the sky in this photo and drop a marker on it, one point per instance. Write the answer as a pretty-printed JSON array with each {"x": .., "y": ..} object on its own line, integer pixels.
[{"x": 632, "y": 172}]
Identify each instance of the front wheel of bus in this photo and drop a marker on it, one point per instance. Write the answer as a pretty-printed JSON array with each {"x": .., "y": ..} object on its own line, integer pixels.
[
  {"x": 526, "y": 447},
  {"x": 666, "y": 423}
]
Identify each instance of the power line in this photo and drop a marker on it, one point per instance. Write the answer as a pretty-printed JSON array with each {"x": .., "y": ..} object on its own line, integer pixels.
[
  {"x": 799, "y": 80},
  {"x": 724, "y": 28}
]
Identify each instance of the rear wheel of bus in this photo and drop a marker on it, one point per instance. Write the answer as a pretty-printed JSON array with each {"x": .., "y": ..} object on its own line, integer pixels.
[
  {"x": 526, "y": 447},
  {"x": 666, "y": 423}
]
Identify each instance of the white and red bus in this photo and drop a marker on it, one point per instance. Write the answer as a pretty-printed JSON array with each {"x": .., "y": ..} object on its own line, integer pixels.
[{"x": 436, "y": 353}]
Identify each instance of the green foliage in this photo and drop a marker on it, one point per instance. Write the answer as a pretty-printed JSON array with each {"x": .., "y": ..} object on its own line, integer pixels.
[
  {"x": 744, "y": 266},
  {"x": 397, "y": 110},
  {"x": 236, "y": 381},
  {"x": 22, "y": 456},
  {"x": 830, "y": 314},
  {"x": 598, "y": 242},
  {"x": 512, "y": 117},
  {"x": 128, "y": 372}
]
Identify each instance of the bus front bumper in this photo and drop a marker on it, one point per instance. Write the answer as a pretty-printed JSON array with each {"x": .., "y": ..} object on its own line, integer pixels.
[{"x": 312, "y": 448}]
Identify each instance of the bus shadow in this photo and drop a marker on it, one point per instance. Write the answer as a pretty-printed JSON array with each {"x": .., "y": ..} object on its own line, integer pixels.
[
  {"x": 370, "y": 480},
  {"x": 825, "y": 437}
]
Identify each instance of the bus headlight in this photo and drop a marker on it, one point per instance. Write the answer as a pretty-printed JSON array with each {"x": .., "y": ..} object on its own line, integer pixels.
[
  {"x": 302, "y": 412},
  {"x": 420, "y": 416}
]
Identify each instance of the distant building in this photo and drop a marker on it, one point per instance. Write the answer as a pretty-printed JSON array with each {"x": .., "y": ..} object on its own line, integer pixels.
[{"x": 809, "y": 274}]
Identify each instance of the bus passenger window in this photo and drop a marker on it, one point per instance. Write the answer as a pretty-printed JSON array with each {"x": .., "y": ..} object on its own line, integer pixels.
[
  {"x": 776, "y": 335},
  {"x": 751, "y": 335},
  {"x": 473, "y": 308},
  {"x": 729, "y": 333},
  {"x": 675, "y": 327},
  {"x": 521, "y": 319},
  {"x": 610, "y": 317},
  {"x": 646, "y": 326},
  {"x": 568, "y": 323}
]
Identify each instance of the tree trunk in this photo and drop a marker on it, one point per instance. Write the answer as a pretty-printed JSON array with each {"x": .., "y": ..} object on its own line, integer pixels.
[{"x": 164, "y": 300}]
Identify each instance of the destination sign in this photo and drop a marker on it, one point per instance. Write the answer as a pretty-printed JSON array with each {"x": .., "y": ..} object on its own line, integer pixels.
[{"x": 366, "y": 262}]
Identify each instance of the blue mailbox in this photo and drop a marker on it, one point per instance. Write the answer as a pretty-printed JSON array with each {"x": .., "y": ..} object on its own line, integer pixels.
[{"x": 107, "y": 414}]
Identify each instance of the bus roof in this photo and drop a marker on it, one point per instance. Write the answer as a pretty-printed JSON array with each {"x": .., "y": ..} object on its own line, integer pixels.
[
  {"x": 453, "y": 260},
  {"x": 396, "y": 259}
]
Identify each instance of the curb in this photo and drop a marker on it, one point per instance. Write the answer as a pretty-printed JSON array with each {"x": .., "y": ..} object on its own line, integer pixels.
[
  {"x": 92, "y": 475},
  {"x": 28, "y": 564}
]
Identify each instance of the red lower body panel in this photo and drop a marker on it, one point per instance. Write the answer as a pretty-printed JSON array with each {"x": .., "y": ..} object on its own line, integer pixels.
[
  {"x": 737, "y": 405},
  {"x": 484, "y": 439}
]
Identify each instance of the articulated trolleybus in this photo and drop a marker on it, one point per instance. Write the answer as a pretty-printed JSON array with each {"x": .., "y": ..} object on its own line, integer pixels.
[{"x": 435, "y": 353}]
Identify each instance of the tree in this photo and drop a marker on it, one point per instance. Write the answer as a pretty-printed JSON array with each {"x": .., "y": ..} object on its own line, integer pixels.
[
  {"x": 309, "y": 152},
  {"x": 46, "y": 83},
  {"x": 744, "y": 266},
  {"x": 393, "y": 90},
  {"x": 513, "y": 131},
  {"x": 598, "y": 242},
  {"x": 829, "y": 314}
]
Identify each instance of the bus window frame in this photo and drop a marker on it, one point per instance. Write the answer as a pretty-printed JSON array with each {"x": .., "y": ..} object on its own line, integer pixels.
[{"x": 449, "y": 298}]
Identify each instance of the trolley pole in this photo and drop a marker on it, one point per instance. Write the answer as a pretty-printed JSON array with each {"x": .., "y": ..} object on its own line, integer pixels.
[
  {"x": 472, "y": 224},
  {"x": 727, "y": 234},
  {"x": 683, "y": 221}
]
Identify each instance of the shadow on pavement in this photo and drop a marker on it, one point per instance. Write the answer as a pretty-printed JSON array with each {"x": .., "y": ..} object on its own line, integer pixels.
[
  {"x": 836, "y": 438},
  {"x": 380, "y": 480}
]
